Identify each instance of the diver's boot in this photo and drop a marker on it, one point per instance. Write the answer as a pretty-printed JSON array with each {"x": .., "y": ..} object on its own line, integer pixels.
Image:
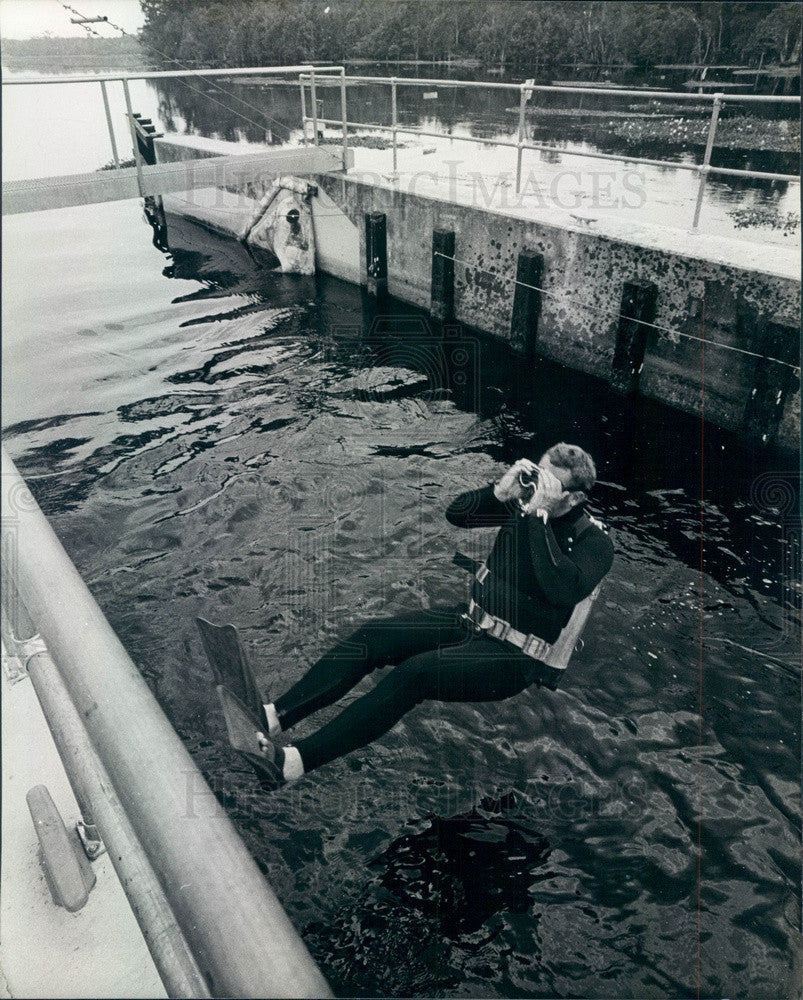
[{"x": 274, "y": 765}]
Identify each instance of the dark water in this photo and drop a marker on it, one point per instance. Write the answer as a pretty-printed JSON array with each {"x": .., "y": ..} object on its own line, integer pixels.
[{"x": 211, "y": 438}]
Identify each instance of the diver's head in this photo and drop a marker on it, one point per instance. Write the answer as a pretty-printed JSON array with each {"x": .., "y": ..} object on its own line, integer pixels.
[{"x": 576, "y": 471}]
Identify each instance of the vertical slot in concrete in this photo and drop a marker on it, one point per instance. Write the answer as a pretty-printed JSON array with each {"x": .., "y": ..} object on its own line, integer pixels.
[
  {"x": 442, "y": 293},
  {"x": 526, "y": 302},
  {"x": 638, "y": 307},
  {"x": 773, "y": 383},
  {"x": 376, "y": 253}
]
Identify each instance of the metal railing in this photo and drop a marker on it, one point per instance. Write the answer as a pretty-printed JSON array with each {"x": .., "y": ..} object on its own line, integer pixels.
[
  {"x": 704, "y": 169},
  {"x": 103, "y": 78},
  {"x": 309, "y": 76},
  {"x": 237, "y": 932}
]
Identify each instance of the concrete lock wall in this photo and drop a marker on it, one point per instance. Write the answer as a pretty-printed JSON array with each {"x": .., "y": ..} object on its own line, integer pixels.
[
  {"x": 583, "y": 278},
  {"x": 694, "y": 296}
]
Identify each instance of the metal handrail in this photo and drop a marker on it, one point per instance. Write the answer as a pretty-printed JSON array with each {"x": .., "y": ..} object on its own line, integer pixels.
[
  {"x": 703, "y": 169},
  {"x": 238, "y": 932},
  {"x": 606, "y": 91},
  {"x": 125, "y": 78},
  {"x": 168, "y": 73},
  {"x": 307, "y": 77}
]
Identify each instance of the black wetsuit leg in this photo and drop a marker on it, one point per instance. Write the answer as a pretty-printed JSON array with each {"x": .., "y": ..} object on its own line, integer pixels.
[
  {"x": 478, "y": 669},
  {"x": 375, "y": 644}
]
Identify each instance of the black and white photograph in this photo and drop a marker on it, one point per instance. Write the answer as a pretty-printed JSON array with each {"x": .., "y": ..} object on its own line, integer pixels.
[{"x": 401, "y": 530}]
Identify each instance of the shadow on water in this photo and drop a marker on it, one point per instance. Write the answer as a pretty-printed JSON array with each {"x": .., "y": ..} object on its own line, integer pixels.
[{"x": 430, "y": 901}]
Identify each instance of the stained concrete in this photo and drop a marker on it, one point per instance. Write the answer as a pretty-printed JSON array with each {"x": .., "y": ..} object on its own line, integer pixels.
[
  {"x": 584, "y": 272},
  {"x": 723, "y": 292}
]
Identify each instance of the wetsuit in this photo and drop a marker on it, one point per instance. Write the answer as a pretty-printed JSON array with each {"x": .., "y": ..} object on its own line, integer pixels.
[{"x": 537, "y": 573}]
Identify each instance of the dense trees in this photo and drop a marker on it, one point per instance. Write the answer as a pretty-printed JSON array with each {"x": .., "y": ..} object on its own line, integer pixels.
[{"x": 241, "y": 32}]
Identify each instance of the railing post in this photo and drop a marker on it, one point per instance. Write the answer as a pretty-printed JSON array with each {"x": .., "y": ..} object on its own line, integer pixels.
[
  {"x": 520, "y": 140},
  {"x": 314, "y": 99},
  {"x": 345, "y": 118},
  {"x": 394, "y": 121},
  {"x": 303, "y": 110},
  {"x": 134, "y": 143},
  {"x": 709, "y": 147},
  {"x": 109, "y": 124}
]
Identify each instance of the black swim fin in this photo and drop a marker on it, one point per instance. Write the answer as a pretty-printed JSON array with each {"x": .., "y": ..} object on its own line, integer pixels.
[
  {"x": 230, "y": 666},
  {"x": 242, "y": 728}
]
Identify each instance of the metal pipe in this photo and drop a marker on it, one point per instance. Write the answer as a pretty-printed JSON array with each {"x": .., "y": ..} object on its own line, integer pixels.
[
  {"x": 109, "y": 124},
  {"x": 394, "y": 121},
  {"x": 520, "y": 141},
  {"x": 704, "y": 167},
  {"x": 169, "y": 73},
  {"x": 278, "y": 70},
  {"x": 760, "y": 174},
  {"x": 314, "y": 98},
  {"x": 96, "y": 797},
  {"x": 623, "y": 157},
  {"x": 236, "y": 928},
  {"x": 303, "y": 112},
  {"x": 345, "y": 121},
  {"x": 607, "y": 91},
  {"x": 134, "y": 143}
]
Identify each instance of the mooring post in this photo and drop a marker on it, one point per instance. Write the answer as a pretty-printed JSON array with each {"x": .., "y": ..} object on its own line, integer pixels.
[
  {"x": 637, "y": 311},
  {"x": 345, "y": 153},
  {"x": 442, "y": 294},
  {"x": 376, "y": 253},
  {"x": 526, "y": 302},
  {"x": 523, "y": 97}
]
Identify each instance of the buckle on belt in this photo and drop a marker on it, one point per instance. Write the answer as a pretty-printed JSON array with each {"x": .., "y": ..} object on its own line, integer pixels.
[
  {"x": 500, "y": 629},
  {"x": 469, "y": 623},
  {"x": 481, "y": 573}
]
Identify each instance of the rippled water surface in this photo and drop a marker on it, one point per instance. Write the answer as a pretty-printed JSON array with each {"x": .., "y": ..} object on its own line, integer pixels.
[{"x": 211, "y": 438}]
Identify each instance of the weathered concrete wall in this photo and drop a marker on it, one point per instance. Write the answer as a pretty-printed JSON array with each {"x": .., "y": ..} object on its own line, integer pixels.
[
  {"x": 703, "y": 302},
  {"x": 583, "y": 278}
]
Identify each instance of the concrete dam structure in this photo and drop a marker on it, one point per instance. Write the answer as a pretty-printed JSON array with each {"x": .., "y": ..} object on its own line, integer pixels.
[{"x": 712, "y": 329}]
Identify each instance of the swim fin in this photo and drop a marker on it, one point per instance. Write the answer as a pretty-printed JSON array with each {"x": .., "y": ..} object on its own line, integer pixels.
[
  {"x": 230, "y": 666},
  {"x": 242, "y": 728}
]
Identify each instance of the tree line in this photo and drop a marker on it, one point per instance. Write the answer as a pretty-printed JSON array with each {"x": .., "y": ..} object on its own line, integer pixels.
[{"x": 495, "y": 32}]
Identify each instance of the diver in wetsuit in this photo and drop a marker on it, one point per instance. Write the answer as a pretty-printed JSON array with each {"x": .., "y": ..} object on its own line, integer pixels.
[{"x": 547, "y": 556}]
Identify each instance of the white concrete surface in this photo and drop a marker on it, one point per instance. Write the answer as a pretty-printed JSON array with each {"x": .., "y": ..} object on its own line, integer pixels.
[{"x": 44, "y": 950}]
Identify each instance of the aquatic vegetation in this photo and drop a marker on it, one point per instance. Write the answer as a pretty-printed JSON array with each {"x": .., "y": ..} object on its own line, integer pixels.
[
  {"x": 765, "y": 215},
  {"x": 739, "y": 132}
]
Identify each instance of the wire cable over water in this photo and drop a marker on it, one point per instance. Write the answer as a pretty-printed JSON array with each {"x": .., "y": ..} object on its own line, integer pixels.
[{"x": 632, "y": 319}]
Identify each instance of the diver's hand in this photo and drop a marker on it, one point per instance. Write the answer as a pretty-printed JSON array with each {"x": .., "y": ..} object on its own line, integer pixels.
[
  {"x": 509, "y": 487},
  {"x": 549, "y": 495}
]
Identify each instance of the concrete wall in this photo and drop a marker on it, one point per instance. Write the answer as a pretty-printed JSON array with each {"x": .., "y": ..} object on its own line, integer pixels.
[
  {"x": 702, "y": 295},
  {"x": 583, "y": 277}
]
